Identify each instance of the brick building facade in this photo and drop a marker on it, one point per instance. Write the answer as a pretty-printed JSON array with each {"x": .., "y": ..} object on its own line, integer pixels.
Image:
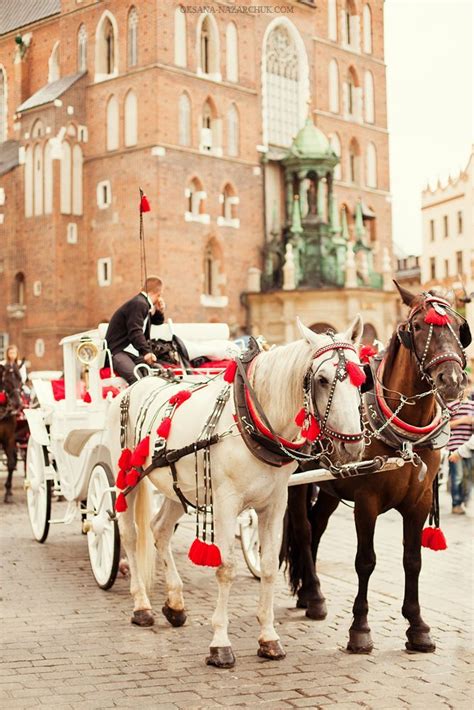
[{"x": 99, "y": 97}]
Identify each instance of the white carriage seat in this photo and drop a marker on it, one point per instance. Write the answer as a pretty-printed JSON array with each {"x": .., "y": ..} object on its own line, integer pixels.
[
  {"x": 115, "y": 380},
  {"x": 77, "y": 439},
  {"x": 208, "y": 340}
]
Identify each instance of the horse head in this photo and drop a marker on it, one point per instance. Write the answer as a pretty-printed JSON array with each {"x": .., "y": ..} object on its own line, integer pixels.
[
  {"x": 332, "y": 388},
  {"x": 10, "y": 386},
  {"x": 437, "y": 336}
]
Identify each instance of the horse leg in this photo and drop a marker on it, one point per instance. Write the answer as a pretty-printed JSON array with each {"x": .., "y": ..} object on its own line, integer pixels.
[
  {"x": 226, "y": 508},
  {"x": 360, "y": 640},
  {"x": 142, "y": 614},
  {"x": 319, "y": 517},
  {"x": 10, "y": 450},
  {"x": 418, "y": 633},
  {"x": 163, "y": 525},
  {"x": 296, "y": 548},
  {"x": 270, "y": 528}
]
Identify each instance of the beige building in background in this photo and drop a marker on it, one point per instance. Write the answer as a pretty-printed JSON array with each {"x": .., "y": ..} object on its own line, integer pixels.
[{"x": 447, "y": 258}]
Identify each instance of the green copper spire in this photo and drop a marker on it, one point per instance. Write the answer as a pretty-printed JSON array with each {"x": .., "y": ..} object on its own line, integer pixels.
[
  {"x": 334, "y": 215},
  {"x": 359, "y": 222},
  {"x": 296, "y": 227},
  {"x": 345, "y": 228},
  {"x": 321, "y": 200},
  {"x": 310, "y": 142}
]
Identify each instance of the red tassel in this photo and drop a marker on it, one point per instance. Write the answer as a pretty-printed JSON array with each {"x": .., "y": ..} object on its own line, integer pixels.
[
  {"x": 124, "y": 460},
  {"x": 180, "y": 397},
  {"x": 164, "y": 429},
  {"x": 437, "y": 318},
  {"x": 356, "y": 374},
  {"x": 121, "y": 481},
  {"x": 132, "y": 477},
  {"x": 141, "y": 452},
  {"x": 312, "y": 430},
  {"x": 121, "y": 503},
  {"x": 366, "y": 352},
  {"x": 3, "y": 398},
  {"x": 434, "y": 539},
  {"x": 197, "y": 552},
  {"x": 144, "y": 204},
  {"x": 213, "y": 556},
  {"x": 87, "y": 398},
  {"x": 300, "y": 417},
  {"x": 229, "y": 372}
]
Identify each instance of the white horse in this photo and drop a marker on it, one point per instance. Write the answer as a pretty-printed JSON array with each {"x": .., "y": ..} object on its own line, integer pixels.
[{"x": 239, "y": 479}]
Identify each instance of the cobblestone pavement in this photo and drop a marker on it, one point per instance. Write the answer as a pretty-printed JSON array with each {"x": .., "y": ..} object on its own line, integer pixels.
[{"x": 68, "y": 644}]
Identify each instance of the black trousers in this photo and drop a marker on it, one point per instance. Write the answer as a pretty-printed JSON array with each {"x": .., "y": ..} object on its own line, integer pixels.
[{"x": 124, "y": 364}]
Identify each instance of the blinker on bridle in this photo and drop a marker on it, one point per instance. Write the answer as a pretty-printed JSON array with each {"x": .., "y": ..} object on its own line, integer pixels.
[{"x": 438, "y": 314}]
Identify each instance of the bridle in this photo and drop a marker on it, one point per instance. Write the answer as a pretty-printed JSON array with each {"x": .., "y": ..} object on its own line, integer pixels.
[{"x": 438, "y": 315}]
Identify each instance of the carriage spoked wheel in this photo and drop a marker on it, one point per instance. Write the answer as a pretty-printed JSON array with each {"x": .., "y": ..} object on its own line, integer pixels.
[
  {"x": 103, "y": 537},
  {"x": 38, "y": 489},
  {"x": 249, "y": 541}
]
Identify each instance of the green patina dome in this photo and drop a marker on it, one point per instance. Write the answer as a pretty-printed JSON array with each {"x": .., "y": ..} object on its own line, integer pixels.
[{"x": 310, "y": 142}]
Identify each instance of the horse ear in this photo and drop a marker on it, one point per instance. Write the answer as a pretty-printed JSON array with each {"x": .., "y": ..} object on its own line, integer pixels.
[
  {"x": 407, "y": 296},
  {"x": 465, "y": 335},
  {"x": 354, "y": 333},
  {"x": 306, "y": 333},
  {"x": 369, "y": 379}
]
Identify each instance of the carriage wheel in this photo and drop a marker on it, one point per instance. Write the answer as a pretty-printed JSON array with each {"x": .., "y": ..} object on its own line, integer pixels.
[
  {"x": 38, "y": 489},
  {"x": 103, "y": 537},
  {"x": 249, "y": 541}
]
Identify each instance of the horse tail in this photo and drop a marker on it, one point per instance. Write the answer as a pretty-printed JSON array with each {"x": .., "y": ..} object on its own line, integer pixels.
[
  {"x": 145, "y": 543},
  {"x": 296, "y": 541}
]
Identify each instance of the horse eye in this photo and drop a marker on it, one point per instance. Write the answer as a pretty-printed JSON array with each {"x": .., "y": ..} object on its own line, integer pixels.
[
  {"x": 416, "y": 326},
  {"x": 323, "y": 380}
]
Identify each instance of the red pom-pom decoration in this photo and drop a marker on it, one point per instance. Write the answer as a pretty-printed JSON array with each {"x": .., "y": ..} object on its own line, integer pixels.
[
  {"x": 110, "y": 388},
  {"x": 312, "y": 430},
  {"x": 434, "y": 539},
  {"x": 366, "y": 352},
  {"x": 87, "y": 398},
  {"x": 356, "y": 374},
  {"x": 121, "y": 503},
  {"x": 213, "y": 556},
  {"x": 197, "y": 552},
  {"x": 163, "y": 430},
  {"x": 121, "y": 481},
  {"x": 141, "y": 452},
  {"x": 300, "y": 417},
  {"x": 3, "y": 398},
  {"x": 144, "y": 204},
  {"x": 125, "y": 459},
  {"x": 180, "y": 397},
  {"x": 132, "y": 477},
  {"x": 229, "y": 372},
  {"x": 437, "y": 318}
]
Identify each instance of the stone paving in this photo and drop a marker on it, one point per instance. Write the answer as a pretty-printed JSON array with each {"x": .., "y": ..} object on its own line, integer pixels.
[{"x": 68, "y": 644}]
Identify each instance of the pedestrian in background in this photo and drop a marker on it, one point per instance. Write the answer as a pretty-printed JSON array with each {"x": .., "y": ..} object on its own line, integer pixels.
[{"x": 460, "y": 473}]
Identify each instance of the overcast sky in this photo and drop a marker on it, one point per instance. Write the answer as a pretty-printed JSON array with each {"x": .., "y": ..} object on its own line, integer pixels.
[{"x": 429, "y": 57}]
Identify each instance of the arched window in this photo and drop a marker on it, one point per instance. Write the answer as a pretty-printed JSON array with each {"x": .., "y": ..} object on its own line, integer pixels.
[
  {"x": 131, "y": 119},
  {"x": 106, "y": 46},
  {"x": 335, "y": 144},
  {"x": 333, "y": 86},
  {"x": 351, "y": 26},
  {"x": 229, "y": 201},
  {"x": 232, "y": 52},
  {"x": 48, "y": 179},
  {"x": 211, "y": 272},
  {"x": 28, "y": 181},
  {"x": 38, "y": 129},
  {"x": 3, "y": 105},
  {"x": 208, "y": 47},
  {"x": 332, "y": 20},
  {"x": 367, "y": 19},
  {"x": 184, "y": 122},
  {"x": 38, "y": 179},
  {"x": 132, "y": 37},
  {"x": 112, "y": 123},
  {"x": 19, "y": 295},
  {"x": 77, "y": 180},
  {"x": 371, "y": 165},
  {"x": 285, "y": 84},
  {"x": 233, "y": 131},
  {"x": 369, "y": 97},
  {"x": 82, "y": 49},
  {"x": 211, "y": 130},
  {"x": 354, "y": 162},
  {"x": 352, "y": 97},
  {"x": 195, "y": 201},
  {"x": 180, "y": 58},
  {"x": 66, "y": 179},
  {"x": 53, "y": 64}
]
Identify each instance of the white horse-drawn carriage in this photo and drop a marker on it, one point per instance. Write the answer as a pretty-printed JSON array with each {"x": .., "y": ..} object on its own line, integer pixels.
[{"x": 67, "y": 456}]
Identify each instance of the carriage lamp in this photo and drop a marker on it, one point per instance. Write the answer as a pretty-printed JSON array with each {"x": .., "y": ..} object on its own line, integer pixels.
[{"x": 87, "y": 351}]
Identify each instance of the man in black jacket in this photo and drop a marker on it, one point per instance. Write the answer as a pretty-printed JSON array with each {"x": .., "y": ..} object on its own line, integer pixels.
[{"x": 128, "y": 333}]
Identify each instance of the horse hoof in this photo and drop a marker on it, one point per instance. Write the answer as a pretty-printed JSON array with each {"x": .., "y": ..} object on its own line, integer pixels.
[
  {"x": 124, "y": 567},
  {"x": 221, "y": 657},
  {"x": 317, "y": 611},
  {"x": 7, "y": 498},
  {"x": 176, "y": 617},
  {"x": 419, "y": 642},
  {"x": 143, "y": 617},
  {"x": 301, "y": 604},
  {"x": 271, "y": 649},
  {"x": 360, "y": 642}
]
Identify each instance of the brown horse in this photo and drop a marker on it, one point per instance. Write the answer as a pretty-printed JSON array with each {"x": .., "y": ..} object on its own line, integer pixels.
[
  {"x": 10, "y": 405},
  {"x": 421, "y": 370}
]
